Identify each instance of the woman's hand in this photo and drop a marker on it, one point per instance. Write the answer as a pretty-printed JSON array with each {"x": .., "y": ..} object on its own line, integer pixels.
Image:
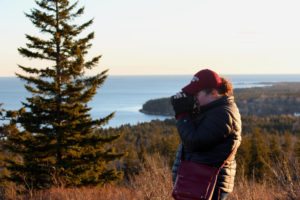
[{"x": 182, "y": 103}]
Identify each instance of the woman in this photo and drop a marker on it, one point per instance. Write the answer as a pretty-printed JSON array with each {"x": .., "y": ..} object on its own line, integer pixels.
[{"x": 209, "y": 125}]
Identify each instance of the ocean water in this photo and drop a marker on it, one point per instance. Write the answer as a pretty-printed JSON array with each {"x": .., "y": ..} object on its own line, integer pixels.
[{"x": 125, "y": 95}]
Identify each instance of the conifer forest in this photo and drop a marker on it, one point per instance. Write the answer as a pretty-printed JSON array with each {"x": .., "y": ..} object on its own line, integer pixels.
[{"x": 52, "y": 148}]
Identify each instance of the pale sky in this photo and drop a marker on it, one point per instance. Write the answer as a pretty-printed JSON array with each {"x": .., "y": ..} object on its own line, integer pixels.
[{"x": 150, "y": 37}]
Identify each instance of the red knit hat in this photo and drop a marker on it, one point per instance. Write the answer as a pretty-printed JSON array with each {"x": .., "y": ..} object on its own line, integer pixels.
[{"x": 203, "y": 79}]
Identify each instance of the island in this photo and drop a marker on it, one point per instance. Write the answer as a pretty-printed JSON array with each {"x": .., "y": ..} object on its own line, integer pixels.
[{"x": 280, "y": 98}]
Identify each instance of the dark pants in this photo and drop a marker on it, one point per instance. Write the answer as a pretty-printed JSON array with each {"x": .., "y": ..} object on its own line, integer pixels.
[{"x": 219, "y": 195}]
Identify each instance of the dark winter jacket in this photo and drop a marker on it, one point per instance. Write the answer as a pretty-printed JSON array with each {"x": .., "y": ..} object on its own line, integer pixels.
[{"x": 210, "y": 137}]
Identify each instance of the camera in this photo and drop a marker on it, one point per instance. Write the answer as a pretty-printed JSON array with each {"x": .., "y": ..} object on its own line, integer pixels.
[{"x": 186, "y": 100}]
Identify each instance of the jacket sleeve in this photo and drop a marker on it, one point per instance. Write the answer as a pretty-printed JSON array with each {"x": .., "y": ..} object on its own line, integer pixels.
[{"x": 209, "y": 132}]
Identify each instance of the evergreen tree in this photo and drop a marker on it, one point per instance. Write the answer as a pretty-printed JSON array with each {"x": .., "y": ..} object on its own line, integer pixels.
[
  {"x": 243, "y": 158},
  {"x": 259, "y": 163},
  {"x": 5, "y": 130},
  {"x": 131, "y": 163},
  {"x": 287, "y": 145},
  {"x": 297, "y": 149},
  {"x": 57, "y": 140},
  {"x": 275, "y": 154}
]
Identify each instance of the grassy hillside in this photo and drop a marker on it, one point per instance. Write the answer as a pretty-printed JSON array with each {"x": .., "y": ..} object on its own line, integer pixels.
[
  {"x": 154, "y": 183},
  {"x": 268, "y": 163}
]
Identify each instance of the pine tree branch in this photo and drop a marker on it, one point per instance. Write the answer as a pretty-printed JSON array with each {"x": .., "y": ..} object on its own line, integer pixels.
[
  {"x": 103, "y": 120},
  {"x": 47, "y": 72},
  {"x": 68, "y": 30},
  {"x": 32, "y": 90},
  {"x": 29, "y": 69},
  {"x": 44, "y": 4},
  {"x": 79, "y": 12},
  {"x": 41, "y": 19},
  {"x": 37, "y": 41},
  {"x": 27, "y": 53},
  {"x": 85, "y": 25},
  {"x": 97, "y": 79},
  {"x": 67, "y": 10},
  {"x": 42, "y": 85},
  {"x": 90, "y": 64}
]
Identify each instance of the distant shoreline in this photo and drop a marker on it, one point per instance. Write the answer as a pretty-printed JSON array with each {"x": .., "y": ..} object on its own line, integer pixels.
[
  {"x": 155, "y": 113},
  {"x": 121, "y": 93},
  {"x": 272, "y": 98}
]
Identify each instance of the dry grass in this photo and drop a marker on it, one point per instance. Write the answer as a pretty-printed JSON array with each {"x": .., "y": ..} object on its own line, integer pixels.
[
  {"x": 249, "y": 190},
  {"x": 284, "y": 186},
  {"x": 105, "y": 193},
  {"x": 154, "y": 182}
]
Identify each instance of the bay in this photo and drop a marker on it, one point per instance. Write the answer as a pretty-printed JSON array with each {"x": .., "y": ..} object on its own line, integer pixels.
[{"x": 125, "y": 95}]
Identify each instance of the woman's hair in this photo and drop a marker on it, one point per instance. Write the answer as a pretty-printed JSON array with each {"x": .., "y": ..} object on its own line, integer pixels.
[{"x": 225, "y": 89}]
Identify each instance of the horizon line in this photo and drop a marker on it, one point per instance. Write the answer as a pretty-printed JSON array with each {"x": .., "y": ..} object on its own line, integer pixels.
[{"x": 4, "y": 76}]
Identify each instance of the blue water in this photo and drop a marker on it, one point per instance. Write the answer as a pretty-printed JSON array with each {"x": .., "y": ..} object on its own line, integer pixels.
[{"x": 127, "y": 94}]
